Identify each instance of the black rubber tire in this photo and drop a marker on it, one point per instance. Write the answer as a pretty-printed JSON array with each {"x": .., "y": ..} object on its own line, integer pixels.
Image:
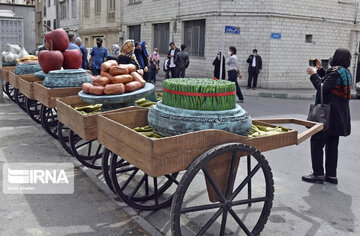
[
  {"x": 49, "y": 120},
  {"x": 10, "y": 91},
  {"x": 226, "y": 204},
  {"x": 20, "y": 99},
  {"x": 33, "y": 109},
  {"x": 153, "y": 198},
  {"x": 64, "y": 137},
  {"x": 91, "y": 159}
]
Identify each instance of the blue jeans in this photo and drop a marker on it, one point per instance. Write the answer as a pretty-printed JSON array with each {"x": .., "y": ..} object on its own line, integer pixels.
[{"x": 233, "y": 75}]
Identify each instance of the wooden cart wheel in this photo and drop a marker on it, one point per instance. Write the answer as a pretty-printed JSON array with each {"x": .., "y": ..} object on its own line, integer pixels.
[
  {"x": 20, "y": 99},
  {"x": 3, "y": 86},
  {"x": 49, "y": 120},
  {"x": 228, "y": 197},
  {"x": 10, "y": 91},
  {"x": 137, "y": 189},
  {"x": 88, "y": 153},
  {"x": 64, "y": 137},
  {"x": 33, "y": 109}
]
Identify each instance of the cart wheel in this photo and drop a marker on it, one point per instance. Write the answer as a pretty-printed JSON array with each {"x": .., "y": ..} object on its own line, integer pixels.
[
  {"x": 105, "y": 166},
  {"x": 137, "y": 189},
  {"x": 203, "y": 215},
  {"x": 49, "y": 120},
  {"x": 88, "y": 153},
  {"x": 3, "y": 86},
  {"x": 10, "y": 91},
  {"x": 33, "y": 109},
  {"x": 64, "y": 137},
  {"x": 20, "y": 99}
]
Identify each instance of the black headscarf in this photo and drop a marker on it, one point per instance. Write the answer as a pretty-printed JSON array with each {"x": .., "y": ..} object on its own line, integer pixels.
[{"x": 342, "y": 57}]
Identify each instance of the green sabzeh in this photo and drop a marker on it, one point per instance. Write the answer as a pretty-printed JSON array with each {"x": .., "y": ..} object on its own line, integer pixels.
[{"x": 203, "y": 86}]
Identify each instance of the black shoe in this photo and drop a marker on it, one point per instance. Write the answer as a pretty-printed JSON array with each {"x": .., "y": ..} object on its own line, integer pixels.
[
  {"x": 313, "y": 179},
  {"x": 331, "y": 180}
]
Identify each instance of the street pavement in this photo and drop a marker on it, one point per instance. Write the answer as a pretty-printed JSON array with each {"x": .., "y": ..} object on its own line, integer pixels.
[
  {"x": 88, "y": 211},
  {"x": 299, "y": 208}
]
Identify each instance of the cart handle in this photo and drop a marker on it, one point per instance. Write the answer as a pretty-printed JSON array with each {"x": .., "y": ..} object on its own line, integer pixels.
[{"x": 313, "y": 127}]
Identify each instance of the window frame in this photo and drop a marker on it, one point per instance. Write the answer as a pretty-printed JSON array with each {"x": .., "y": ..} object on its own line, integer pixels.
[
  {"x": 111, "y": 11},
  {"x": 190, "y": 26},
  {"x": 97, "y": 7},
  {"x": 133, "y": 27},
  {"x": 86, "y": 8},
  {"x": 164, "y": 46}
]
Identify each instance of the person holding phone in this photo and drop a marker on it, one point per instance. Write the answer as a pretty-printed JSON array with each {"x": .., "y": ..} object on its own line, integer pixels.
[{"x": 234, "y": 72}]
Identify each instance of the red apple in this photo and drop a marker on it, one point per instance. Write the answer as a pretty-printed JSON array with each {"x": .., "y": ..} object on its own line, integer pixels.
[
  {"x": 57, "y": 40},
  {"x": 50, "y": 60},
  {"x": 72, "y": 59}
]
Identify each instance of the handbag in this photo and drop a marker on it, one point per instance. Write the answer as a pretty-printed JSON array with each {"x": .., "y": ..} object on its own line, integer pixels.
[{"x": 320, "y": 112}]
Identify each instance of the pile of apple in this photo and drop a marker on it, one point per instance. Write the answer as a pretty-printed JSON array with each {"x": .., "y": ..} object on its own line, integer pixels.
[
  {"x": 57, "y": 55},
  {"x": 115, "y": 79}
]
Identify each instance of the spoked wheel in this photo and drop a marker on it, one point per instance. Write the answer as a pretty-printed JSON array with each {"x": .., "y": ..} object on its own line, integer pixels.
[
  {"x": 10, "y": 91},
  {"x": 49, "y": 120},
  {"x": 137, "y": 189},
  {"x": 64, "y": 137},
  {"x": 33, "y": 109},
  {"x": 20, "y": 99},
  {"x": 226, "y": 196},
  {"x": 89, "y": 153},
  {"x": 105, "y": 164},
  {"x": 3, "y": 86}
]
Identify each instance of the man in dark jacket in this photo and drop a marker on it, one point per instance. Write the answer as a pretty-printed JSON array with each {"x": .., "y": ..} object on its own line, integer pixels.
[
  {"x": 182, "y": 61},
  {"x": 255, "y": 66},
  {"x": 83, "y": 51},
  {"x": 336, "y": 92},
  {"x": 172, "y": 55}
]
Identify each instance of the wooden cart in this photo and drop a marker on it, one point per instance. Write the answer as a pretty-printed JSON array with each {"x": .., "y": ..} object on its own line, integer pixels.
[
  {"x": 47, "y": 97},
  {"x": 78, "y": 132},
  {"x": 144, "y": 171},
  {"x": 4, "y": 75}
]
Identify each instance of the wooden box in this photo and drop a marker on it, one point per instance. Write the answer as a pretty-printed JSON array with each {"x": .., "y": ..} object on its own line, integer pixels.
[
  {"x": 48, "y": 96},
  {"x": 162, "y": 156},
  {"x": 83, "y": 125},
  {"x": 4, "y": 72},
  {"x": 26, "y": 85},
  {"x": 13, "y": 79}
]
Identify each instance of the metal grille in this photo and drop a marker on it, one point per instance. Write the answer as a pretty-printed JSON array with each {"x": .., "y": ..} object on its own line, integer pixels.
[{"x": 11, "y": 32}]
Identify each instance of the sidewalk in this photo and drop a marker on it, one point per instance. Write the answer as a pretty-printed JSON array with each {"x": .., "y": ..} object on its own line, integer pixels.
[
  {"x": 300, "y": 94},
  {"x": 88, "y": 211}
]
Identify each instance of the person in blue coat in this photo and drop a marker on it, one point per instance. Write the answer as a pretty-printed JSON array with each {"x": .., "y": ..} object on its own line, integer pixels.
[{"x": 83, "y": 51}]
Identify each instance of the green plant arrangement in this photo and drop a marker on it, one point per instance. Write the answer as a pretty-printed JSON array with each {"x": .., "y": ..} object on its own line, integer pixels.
[{"x": 199, "y": 94}]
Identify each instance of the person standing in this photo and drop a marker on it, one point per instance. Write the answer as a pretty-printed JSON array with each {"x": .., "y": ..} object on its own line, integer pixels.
[
  {"x": 216, "y": 64},
  {"x": 83, "y": 51},
  {"x": 172, "y": 55},
  {"x": 234, "y": 72},
  {"x": 336, "y": 84},
  {"x": 182, "y": 61},
  {"x": 115, "y": 52},
  {"x": 255, "y": 66},
  {"x": 142, "y": 59},
  {"x": 154, "y": 65},
  {"x": 98, "y": 56},
  {"x": 166, "y": 68},
  {"x": 72, "y": 44}
]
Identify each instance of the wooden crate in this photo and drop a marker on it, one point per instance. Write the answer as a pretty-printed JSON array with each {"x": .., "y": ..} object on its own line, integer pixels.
[
  {"x": 4, "y": 72},
  {"x": 162, "y": 156},
  {"x": 13, "y": 79},
  {"x": 26, "y": 85},
  {"x": 83, "y": 125},
  {"x": 48, "y": 96}
]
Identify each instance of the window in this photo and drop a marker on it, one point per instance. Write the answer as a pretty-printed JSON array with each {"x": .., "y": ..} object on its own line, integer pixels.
[
  {"x": 111, "y": 9},
  {"x": 97, "y": 7},
  {"x": 87, "y": 8},
  {"x": 134, "y": 32},
  {"x": 55, "y": 26},
  {"x": 44, "y": 10},
  {"x": 49, "y": 3},
  {"x": 48, "y": 23},
  {"x": 63, "y": 10},
  {"x": 194, "y": 37},
  {"x": 134, "y": 1},
  {"x": 73, "y": 8},
  {"x": 161, "y": 37},
  {"x": 308, "y": 38}
]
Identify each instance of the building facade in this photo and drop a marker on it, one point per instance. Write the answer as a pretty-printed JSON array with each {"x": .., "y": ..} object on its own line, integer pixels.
[
  {"x": 100, "y": 19},
  {"x": 69, "y": 16},
  {"x": 287, "y": 34},
  {"x": 49, "y": 15}
]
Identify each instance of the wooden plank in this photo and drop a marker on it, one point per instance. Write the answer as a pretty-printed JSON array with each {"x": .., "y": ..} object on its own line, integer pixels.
[
  {"x": 26, "y": 85},
  {"x": 13, "y": 79},
  {"x": 310, "y": 132}
]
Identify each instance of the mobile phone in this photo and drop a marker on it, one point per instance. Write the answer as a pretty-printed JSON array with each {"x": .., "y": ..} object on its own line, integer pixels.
[{"x": 312, "y": 63}]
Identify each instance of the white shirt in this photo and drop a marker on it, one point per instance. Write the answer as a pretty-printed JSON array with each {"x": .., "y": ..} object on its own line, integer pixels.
[
  {"x": 232, "y": 63},
  {"x": 254, "y": 62},
  {"x": 172, "y": 63}
]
